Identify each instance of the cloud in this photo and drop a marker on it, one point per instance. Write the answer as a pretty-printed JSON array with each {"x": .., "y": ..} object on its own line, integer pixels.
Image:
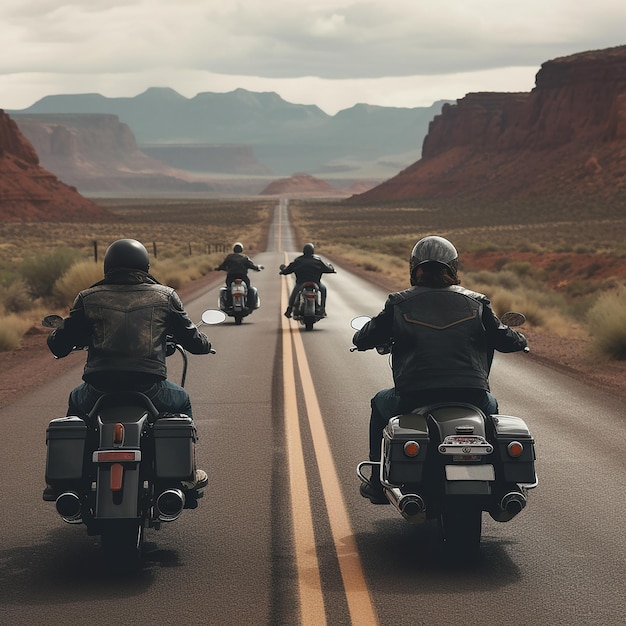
[{"x": 340, "y": 43}]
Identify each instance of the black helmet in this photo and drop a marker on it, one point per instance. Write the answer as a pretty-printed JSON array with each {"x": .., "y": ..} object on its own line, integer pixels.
[
  {"x": 434, "y": 250},
  {"x": 308, "y": 249},
  {"x": 238, "y": 248},
  {"x": 126, "y": 253}
]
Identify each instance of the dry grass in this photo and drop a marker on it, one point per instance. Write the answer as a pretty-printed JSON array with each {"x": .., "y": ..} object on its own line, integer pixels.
[{"x": 44, "y": 264}]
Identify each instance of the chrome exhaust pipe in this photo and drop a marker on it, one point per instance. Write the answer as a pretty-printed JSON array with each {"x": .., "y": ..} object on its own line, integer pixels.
[
  {"x": 170, "y": 504},
  {"x": 510, "y": 505},
  {"x": 410, "y": 505},
  {"x": 69, "y": 507}
]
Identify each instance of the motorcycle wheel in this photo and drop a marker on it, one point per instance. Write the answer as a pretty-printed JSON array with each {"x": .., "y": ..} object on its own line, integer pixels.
[
  {"x": 308, "y": 323},
  {"x": 122, "y": 544},
  {"x": 238, "y": 318},
  {"x": 460, "y": 525}
]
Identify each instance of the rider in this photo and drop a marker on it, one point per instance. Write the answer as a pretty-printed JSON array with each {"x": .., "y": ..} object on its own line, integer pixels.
[
  {"x": 124, "y": 321},
  {"x": 308, "y": 267},
  {"x": 237, "y": 264},
  {"x": 442, "y": 339}
]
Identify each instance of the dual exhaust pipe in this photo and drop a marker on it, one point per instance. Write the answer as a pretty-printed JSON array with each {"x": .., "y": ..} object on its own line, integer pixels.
[
  {"x": 510, "y": 505},
  {"x": 169, "y": 505}
]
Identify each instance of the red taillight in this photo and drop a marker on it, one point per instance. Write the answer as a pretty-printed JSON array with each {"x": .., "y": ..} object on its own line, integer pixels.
[
  {"x": 515, "y": 449},
  {"x": 116, "y": 456},
  {"x": 411, "y": 448},
  {"x": 117, "y": 476},
  {"x": 118, "y": 434}
]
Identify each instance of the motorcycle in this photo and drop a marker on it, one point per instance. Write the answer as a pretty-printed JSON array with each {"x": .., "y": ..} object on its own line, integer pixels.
[
  {"x": 125, "y": 467},
  {"x": 307, "y": 309},
  {"x": 238, "y": 301},
  {"x": 450, "y": 462}
]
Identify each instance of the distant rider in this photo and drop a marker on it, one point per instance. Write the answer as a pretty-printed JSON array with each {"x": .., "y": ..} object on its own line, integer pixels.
[
  {"x": 308, "y": 267},
  {"x": 236, "y": 265},
  {"x": 442, "y": 339}
]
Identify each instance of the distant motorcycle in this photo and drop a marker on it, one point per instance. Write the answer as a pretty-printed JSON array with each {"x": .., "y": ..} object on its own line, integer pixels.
[
  {"x": 238, "y": 301},
  {"x": 307, "y": 309},
  {"x": 451, "y": 462},
  {"x": 123, "y": 468}
]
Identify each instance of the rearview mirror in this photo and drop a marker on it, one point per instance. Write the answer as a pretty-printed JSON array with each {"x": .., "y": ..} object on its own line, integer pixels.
[
  {"x": 213, "y": 316},
  {"x": 358, "y": 322},
  {"x": 513, "y": 318},
  {"x": 52, "y": 321}
]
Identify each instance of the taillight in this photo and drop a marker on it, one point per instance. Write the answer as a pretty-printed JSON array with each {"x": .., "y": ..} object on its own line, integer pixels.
[
  {"x": 411, "y": 448},
  {"x": 118, "y": 434},
  {"x": 515, "y": 449}
]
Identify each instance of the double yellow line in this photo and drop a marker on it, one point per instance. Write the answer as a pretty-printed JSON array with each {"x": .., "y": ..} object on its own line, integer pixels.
[{"x": 358, "y": 598}]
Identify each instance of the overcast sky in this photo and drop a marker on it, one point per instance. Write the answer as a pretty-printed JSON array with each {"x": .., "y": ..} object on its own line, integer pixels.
[{"x": 332, "y": 53}]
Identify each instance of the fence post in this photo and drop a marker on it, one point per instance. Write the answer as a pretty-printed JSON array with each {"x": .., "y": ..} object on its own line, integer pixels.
[
  {"x": 154, "y": 249},
  {"x": 95, "y": 250}
]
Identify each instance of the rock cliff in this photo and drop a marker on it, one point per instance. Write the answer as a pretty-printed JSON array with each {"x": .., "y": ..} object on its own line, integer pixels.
[
  {"x": 28, "y": 192},
  {"x": 97, "y": 153},
  {"x": 566, "y": 139}
]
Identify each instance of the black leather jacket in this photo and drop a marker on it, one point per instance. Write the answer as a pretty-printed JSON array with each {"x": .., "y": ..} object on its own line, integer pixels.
[
  {"x": 308, "y": 268},
  {"x": 441, "y": 338},
  {"x": 123, "y": 321}
]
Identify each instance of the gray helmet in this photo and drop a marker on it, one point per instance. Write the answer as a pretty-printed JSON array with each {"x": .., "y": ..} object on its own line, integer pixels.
[
  {"x": 434, "y": 249},
  {"x": 238, "y": 248},
  {"x": 128, "y": 254},
  {"x": 308, "y": 249}
]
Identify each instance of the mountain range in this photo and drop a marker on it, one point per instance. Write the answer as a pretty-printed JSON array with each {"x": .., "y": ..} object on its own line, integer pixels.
[{"x": 281, "y": 137}]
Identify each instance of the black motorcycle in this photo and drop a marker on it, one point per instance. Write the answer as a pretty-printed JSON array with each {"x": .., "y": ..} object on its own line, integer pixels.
[
  {"x": 124, "y": 467},
  {"x": 450, "y": 462}
]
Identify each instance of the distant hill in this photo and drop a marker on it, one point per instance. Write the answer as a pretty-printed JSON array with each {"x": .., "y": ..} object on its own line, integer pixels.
[
  {"x": 362, "y": 141},
  {"x": 564, "y": 141}
]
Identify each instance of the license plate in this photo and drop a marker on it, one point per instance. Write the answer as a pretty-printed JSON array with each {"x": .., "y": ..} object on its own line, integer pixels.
[{"x": 470, "y": 472}]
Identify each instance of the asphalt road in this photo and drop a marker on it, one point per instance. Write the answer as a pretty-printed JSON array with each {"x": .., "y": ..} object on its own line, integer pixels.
[{"x": 282, "y": 535}]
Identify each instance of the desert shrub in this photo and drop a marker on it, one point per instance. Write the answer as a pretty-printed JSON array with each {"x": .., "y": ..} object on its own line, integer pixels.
[
  {"x": 177, "y": 271},
  {"x": 607, "y": 324},
  {"x": 12, "y": 329},
  {"x": 78, "y": 277},
  {"x": 16, "y": 297},
  {"x": 42, "y": 271}
]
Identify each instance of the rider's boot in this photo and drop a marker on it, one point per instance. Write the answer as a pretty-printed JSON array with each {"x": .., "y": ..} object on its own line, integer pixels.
[{"x": 288, "y": 311}]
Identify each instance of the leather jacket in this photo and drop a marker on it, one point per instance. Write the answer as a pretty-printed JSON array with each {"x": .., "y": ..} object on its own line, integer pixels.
[
  {"x": 440, "y": 338},
  {"x": 308, "y": 268},
  {"x": 123, "y": 321}
]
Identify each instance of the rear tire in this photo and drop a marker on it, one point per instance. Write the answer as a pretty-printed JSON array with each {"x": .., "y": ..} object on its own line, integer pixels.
[
  {"x": 238, "y": 318},
  {"x": 308, "y": 324},
  {"x": 122, "y": 544},
  {"x": 461, "y": 527}
]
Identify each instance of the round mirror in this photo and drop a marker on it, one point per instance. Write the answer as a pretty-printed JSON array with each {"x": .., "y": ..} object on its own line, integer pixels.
[
  {"x": 513, "y": 318},
  {"x": 213, "y": 316},
  {"x": 52, "y": 321},
  {"x": 358, "y": 322}
]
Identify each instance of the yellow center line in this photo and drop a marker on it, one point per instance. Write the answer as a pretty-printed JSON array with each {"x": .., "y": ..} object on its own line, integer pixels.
[
  {"x": 309, "y": 583},
  {"x": 359, "y": 600}
]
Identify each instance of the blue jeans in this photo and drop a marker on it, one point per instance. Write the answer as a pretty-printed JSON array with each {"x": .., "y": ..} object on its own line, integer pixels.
[
  {"x": 165, "y": 395},
  {"x": 386, "y": 404}
]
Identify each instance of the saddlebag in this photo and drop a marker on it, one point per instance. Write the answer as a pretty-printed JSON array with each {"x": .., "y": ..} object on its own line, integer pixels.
[
  {"x": 174, "y": 448},
  {"x": 65, "y": 442},
  {"x": 514, "y": 469},
  {"x": 400, "y": 468}
]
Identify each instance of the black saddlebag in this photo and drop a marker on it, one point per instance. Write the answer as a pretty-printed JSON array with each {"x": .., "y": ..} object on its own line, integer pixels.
[
  {"x": 65, "y": 442},
  {"x": 401, "y": 468},
  {"x": 174, "y": 447},
  {"x": 508, "y": 430}
]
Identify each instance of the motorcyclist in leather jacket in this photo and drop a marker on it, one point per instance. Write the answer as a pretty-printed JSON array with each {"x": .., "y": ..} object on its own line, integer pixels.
[
  {"x": 308, "y": 267},
  {"x": 442, "y": 339},
  {"x": 236, "y": 265},
  {"x": 124, "y": 321}
]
